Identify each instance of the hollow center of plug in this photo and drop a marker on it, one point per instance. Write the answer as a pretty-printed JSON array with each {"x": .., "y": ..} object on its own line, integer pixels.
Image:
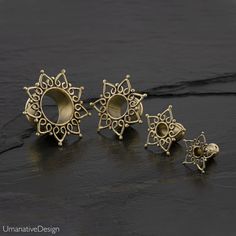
[
  {"x": 162, "y": 130},
  {"x": 117, "y": 106},
  {"x": 57, "y": 106},
  {"x": 198, "y": 152}
]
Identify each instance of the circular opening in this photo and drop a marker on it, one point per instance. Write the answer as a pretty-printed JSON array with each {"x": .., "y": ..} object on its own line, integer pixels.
[
  {"x": 117, "y": 106},
  {"x": 57, "y": 106},
  {"x": 50, "y": 109},
  {"x": 198, "y": 152},
  {"x": 162, "y": 130}
]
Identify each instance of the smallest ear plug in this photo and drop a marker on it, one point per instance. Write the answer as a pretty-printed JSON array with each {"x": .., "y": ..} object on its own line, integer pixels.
[
  {"x": 198, "y": 152},
  {"x": 163, "y": 130}
]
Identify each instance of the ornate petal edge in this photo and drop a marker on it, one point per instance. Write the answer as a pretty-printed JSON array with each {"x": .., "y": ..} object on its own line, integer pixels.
[
  {"x": 167, "y": 118},
  {"x": 33, "y": 110},
  {"x": 131, "y": 116},
  {"x": 190, "y": 158}
]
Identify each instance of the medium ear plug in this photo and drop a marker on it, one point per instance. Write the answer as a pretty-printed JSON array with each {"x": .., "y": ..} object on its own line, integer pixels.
[
  {"x": 198, "y": 152},
  {"x": 163, "y": 130},
  {"x": 118, "y": 107}
]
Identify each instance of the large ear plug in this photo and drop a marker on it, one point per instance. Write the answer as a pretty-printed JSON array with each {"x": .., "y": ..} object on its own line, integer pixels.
[
  {"x": 163, "y": 130},
  {"x": 198, "y": 152},
  {"x": 118, "y": 107},
  {"x": 67, "y": 99}
]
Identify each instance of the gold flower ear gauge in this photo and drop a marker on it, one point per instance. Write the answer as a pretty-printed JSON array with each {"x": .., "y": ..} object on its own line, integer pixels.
[
  {"x": 119, "y": 106},
  {"x": 67, "y": 98},
  {"x": 198, "y": 152},
  {"x": 163, "y": 130}
]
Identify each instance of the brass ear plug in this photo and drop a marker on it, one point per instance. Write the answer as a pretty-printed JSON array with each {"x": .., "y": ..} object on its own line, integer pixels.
[
  {"x": 163, "y": 130},
  {"x": 198, "y": 152},
  {"x": 67, "y": 98},
  {"x": 119, "y": 106}
]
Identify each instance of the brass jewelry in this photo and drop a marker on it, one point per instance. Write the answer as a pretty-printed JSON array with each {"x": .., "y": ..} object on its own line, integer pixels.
[
  {"x": 119, "y": 106},
  {"x": 198, "y": 152},
  {"x": 67, "y": 98},
  {"x": 163, "y": 130}
]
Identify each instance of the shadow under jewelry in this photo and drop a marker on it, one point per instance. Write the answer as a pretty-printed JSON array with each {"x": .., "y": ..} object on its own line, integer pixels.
[
  {"x": 131, "y": 137},
  {"x": 176, "y": 153},
  {"x": 126, "y": 148},
  {"x": 47, "y": 156},
  {"x": 210, "y": 164},
  {"x": 167, "y": 165}
]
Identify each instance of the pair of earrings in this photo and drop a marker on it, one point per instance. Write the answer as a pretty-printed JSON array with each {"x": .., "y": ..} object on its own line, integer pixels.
[{"x": 118, "y": 107}]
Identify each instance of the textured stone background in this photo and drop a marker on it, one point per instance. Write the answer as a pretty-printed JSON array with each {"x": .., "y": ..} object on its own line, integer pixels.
[{"x": 181, "y": 53}]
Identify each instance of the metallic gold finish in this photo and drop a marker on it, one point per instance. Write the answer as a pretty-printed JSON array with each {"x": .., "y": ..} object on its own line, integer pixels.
[
  {"x": 119, "y": 106},
  {"x": 67, "y": 98},
  {"x": 163, "y": 130},
  {"x": 198, "y": 152}
]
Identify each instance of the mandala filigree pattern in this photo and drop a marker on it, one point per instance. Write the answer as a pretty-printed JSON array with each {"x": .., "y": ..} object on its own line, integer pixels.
[
  {"x": 119, "y": 106},
  {"x": 70, "y": 107},
  {"x": 198, "y": 152},
  {"x": 163, "y": 130}
]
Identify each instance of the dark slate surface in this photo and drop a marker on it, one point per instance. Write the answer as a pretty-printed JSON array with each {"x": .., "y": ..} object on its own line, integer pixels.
[{"x": 179, "y": 52}]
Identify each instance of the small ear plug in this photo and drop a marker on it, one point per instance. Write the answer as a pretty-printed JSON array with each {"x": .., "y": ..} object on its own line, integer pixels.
[{"x": 163, "y": 130}]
